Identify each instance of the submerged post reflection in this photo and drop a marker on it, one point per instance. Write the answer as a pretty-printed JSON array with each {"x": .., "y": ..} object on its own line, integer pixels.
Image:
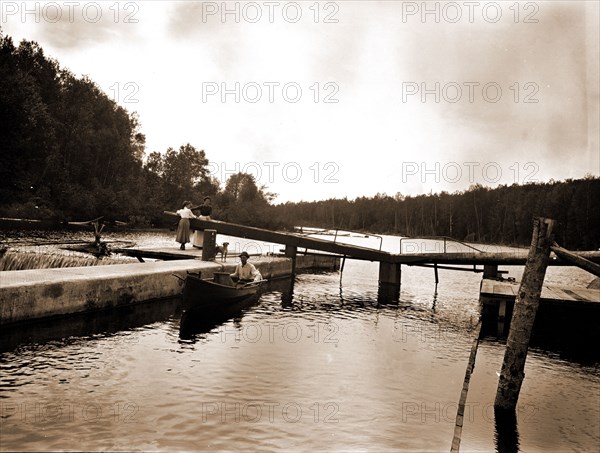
[{"x": 506, "y": 434}]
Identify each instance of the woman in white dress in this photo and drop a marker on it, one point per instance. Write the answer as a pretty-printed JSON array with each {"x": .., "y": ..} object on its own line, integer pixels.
[{"x": 183, "y": 228}]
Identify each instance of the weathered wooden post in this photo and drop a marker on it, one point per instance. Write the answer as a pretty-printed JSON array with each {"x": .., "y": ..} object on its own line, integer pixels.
[
  {"x": 490, "y": 271},
  {"x": 209, "y": 245},
  {"x": 526, "y": 305},
  {"x": 291, "y": 252}
]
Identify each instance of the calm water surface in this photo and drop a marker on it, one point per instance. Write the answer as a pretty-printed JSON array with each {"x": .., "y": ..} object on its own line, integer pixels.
[{"x": 314, "y": 364}]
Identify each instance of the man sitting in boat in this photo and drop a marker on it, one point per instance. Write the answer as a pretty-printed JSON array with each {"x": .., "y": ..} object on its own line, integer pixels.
[{"x": 245, "y": 271}]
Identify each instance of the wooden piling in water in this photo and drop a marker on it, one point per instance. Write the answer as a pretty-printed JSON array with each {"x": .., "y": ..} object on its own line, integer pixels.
[
  {"x": 526, "y": 305},
  {"x": 460, "y": 411},
  {"x": 291, "y": 252}
]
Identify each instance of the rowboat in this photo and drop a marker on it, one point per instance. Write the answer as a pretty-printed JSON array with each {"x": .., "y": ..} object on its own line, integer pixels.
[{"x": 216, "y": 293}]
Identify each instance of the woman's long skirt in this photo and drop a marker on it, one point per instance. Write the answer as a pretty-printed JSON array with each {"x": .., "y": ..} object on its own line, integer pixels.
[
  {"x": 183, "y": 231},
  {"x": 197, "y": 238}
]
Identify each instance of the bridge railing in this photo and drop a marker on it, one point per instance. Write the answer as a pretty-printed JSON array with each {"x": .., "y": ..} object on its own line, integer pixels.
[
  {"x": 326, "y": 232},
  {"x": 445, "y": 240}
]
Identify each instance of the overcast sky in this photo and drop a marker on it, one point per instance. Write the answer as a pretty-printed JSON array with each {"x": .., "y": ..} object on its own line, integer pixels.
[{"x": 348, "y": 98}]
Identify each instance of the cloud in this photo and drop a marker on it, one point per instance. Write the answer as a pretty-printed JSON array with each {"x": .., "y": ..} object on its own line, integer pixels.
[
  {"x": 72, "y": 25},
  {"x": 369, "y": 52},
  {"x": 539, "y": 67},
  {"x": 189, "y": 24}
]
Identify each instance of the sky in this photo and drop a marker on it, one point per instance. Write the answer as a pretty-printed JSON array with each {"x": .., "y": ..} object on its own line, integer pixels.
[{"x": 324, "y": 100}]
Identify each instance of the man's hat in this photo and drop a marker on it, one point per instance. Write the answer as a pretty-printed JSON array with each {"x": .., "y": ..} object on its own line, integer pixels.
[{"x": 244, "y": 254}]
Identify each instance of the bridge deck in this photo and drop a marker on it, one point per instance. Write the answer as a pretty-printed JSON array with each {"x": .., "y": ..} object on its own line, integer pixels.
[{"x": 515, "y": 258}]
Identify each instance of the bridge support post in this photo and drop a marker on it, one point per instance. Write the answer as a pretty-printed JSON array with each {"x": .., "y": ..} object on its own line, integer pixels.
[
  {"x": 389, "y": 282},
  {"x": 291, "y": 252},
  {"x": 526, "y": 305},
  {"x": 209, "y": 245},
  {"x": 490, "y": 271}
]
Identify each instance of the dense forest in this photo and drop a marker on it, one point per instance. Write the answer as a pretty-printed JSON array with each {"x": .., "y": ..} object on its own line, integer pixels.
[
  {"x": 69, "y": 152},
  {"x": 502, "y": 215}
]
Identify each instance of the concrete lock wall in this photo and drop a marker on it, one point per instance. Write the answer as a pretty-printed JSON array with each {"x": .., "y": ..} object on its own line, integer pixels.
[{"x": 38, "y": 293}]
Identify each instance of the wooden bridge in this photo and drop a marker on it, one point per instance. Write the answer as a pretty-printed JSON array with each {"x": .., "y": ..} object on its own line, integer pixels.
[
  {"x": 390, "y": 263},
  {"x": 296, "y": 241}
]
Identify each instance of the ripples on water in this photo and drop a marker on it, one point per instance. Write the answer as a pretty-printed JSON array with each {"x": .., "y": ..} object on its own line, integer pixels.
[{"x": 314, "y": 364}]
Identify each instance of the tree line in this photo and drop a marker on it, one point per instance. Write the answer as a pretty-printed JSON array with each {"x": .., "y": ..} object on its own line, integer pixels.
[
  {"x": 69, "y": 152},
  {"x": 501, "y": 216}
]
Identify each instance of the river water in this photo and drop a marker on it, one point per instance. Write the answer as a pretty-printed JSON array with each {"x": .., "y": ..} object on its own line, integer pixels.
[{"x": 316, "y": 364}]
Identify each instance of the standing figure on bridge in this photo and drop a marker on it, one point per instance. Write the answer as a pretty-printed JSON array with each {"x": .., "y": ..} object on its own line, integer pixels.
[
  {"x": 205, "y": 212},
  {"x": 245, "y": 272},
  {"x": 183, "y": 228}
]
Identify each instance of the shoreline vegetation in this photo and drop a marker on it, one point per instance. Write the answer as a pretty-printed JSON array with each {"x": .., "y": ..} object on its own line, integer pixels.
[{"x": 70, "y": 153}]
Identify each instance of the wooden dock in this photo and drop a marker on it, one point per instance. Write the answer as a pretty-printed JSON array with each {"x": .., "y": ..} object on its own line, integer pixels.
[
  {"x": 504, "y": 289},
  {"x": 556, "y": 303}
]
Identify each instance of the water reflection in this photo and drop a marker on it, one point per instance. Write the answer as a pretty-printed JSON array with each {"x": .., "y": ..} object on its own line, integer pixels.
[
  {"x": 197, "y": 323},
  {"x": 506, "y": 435},
  {"x": 107, "y": 323},
  {"x": 435, "y": 296},
  {"x": 388, "y": 293},
  {"x": 566, "y": 329},
  {"x": 287, "y": 291}
]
